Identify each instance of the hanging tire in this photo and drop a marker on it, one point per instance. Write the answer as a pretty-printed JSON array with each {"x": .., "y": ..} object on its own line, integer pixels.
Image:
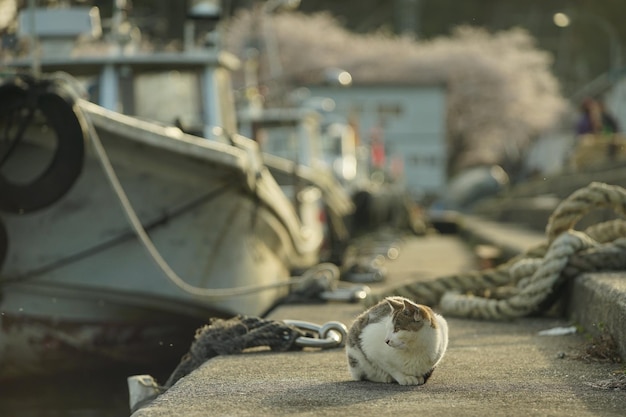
[
  {"x": 4, "y": 243},
  {"x": 57, "y": 108}
]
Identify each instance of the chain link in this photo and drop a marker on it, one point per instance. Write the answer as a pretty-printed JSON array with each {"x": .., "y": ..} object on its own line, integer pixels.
[{"x": 329, "y": 335}]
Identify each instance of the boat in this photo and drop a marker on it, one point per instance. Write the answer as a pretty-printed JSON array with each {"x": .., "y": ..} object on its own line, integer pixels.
[
  {"x": 121, "y": 233},
  {"x": 295, "y": 149}
]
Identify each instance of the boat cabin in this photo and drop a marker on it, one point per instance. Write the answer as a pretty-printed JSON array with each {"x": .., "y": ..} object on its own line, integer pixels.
[{"x": 189, "y": 88}]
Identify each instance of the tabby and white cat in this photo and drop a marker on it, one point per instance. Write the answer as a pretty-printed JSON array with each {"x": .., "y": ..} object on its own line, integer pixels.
[{"x": 396, "y": 340}]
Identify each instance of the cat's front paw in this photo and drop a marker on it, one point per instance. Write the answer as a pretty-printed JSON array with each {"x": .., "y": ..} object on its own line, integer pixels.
[{"x": 409, "y": 380}]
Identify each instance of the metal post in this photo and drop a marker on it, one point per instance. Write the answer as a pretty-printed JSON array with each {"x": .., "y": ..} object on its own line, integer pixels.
[{"x": 34, "y": 52}]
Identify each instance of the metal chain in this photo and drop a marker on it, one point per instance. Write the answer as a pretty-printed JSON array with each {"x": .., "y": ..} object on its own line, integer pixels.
[{"x": 329, "y": 335}]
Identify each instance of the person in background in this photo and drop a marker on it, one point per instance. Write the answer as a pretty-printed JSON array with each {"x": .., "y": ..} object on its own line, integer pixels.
[{"x": 595, "y": 119}]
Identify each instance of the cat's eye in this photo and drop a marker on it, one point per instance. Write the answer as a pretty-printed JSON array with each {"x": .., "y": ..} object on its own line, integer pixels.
[{"x": 406, "y": 312}]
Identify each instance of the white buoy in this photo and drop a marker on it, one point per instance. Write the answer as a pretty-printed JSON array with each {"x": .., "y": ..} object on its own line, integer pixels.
[{"x": 141, "y": 387}]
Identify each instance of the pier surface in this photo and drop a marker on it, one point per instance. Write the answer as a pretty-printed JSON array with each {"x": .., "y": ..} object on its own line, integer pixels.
[{"x": 490, "y": 368}]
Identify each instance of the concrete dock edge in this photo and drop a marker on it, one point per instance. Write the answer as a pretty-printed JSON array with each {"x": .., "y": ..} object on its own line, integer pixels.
[
  {"x": 598, "y": 303},
  {"x": 495, "y": 368}
]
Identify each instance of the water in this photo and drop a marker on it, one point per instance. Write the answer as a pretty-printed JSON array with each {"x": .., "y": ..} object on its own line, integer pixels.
[{"x": 84, "y": 394}]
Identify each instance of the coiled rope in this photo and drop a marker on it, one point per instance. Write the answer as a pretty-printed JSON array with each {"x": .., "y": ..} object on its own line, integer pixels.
[
  {"x": 232, "y": 336},
  {"x": 525, "y": 283}
]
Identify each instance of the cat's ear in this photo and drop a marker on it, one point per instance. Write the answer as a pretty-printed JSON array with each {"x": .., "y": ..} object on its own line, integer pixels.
[
  {"x": 413, "y": 309},
  {"x": 418, "y": 311},
  {"x": 409, "y": 305},
  {"x": 395, "y": 304}
]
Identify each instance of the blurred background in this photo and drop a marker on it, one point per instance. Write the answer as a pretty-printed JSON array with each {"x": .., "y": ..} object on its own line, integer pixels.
[
  {"x": 514, "y": 70},
  {"x": 581, "y": 52}
]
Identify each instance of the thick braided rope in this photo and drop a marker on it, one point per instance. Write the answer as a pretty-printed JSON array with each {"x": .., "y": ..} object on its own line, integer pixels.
[
  {"x": 531, "y": 277},
  {"x": 430, "y": 292},
  {"x": 581, "y": 202},
  {"x": 227, "y": 337},
  {"x": 534, "y": 289}
]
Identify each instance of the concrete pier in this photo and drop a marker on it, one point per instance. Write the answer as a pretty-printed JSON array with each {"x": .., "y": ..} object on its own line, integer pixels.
[{"x": 490, "y": 368}]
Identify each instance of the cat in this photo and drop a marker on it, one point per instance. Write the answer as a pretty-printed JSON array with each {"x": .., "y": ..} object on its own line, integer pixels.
[{"x": 396, "y": 340}]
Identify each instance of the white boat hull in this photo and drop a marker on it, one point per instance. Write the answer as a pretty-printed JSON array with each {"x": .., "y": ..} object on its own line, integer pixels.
[{"x": 75, "y": 269}]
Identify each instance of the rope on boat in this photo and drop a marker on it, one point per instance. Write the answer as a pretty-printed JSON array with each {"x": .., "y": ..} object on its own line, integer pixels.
[
  {"x": 531, "y": 281},
  {"x": 320, "y": 271}
]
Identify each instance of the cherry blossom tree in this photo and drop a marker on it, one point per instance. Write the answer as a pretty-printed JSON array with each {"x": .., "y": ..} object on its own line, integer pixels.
[{"x": 501, "y": 91}]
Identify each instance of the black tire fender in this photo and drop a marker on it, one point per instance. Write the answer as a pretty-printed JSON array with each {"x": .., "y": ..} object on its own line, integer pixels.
[
  {"x": 57, "y": 106},
  {"x": 4, "y": 243}
]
